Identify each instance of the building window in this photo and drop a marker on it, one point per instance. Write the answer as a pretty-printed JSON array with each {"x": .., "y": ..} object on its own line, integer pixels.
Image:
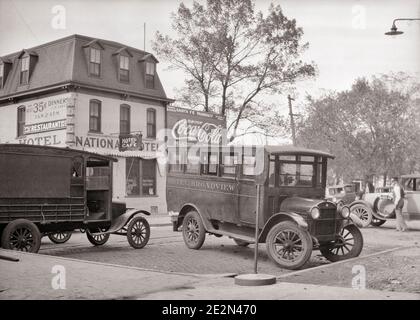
[
  {"x": 140, "y": 177},
  {"x": 125, "y": 119},
  {"x": 148, "y": 177},
  {"x": 95, "y": 116},
  {"x": 20, "y": 121},
  {"x": 132, "y": 169},
  {"x": 1, "y": 75},
  {"x": 150, "y": 75},
  {"x": 151, "y": 123},
  {"x": 24, "y": 70},
  {"x": 124, "y": 69},
  {"x": 95, "y": 62}
]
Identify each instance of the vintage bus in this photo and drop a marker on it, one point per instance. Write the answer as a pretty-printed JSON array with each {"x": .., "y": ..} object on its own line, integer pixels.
[{"x": 213, "y": 190}]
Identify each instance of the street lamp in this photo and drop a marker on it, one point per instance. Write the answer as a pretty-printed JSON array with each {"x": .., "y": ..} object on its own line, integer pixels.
[{"x": 394, "y": 31}]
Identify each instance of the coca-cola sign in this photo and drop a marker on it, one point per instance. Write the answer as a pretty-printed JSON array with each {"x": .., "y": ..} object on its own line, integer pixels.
[
  {"x": 196, "y": 126},
  {"x": 197, "y": 131}
]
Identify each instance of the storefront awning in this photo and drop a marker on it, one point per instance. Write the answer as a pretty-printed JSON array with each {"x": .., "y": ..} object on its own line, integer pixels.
[{"x": 125, "y": 154}]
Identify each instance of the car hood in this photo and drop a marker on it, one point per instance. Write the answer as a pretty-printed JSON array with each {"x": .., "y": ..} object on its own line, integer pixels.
[{"x": 299, "y": 204}]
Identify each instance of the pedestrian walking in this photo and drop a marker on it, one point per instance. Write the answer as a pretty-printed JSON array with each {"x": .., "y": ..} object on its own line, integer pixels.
[{"x": 398, "y": 195}]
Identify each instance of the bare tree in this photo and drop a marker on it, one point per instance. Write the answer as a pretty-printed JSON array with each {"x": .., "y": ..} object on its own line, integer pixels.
[{"x": 232, "y": 54}]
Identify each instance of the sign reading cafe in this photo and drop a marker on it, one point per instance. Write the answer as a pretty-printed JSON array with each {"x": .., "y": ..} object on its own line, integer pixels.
[{"x": 195, "y": 126}]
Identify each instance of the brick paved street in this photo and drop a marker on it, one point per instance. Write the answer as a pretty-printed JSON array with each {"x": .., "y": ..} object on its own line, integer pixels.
[{"x": 166, "y": 251}]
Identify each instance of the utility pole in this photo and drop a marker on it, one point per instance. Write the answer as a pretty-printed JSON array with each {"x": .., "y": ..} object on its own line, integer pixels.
[
  {"x": 292, "y": 121},
  {"x": 144, "y": 37}
]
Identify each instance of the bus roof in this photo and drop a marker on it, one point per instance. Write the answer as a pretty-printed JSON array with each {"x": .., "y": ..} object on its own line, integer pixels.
[
  {"x": 411, "y": 175},
  {"x": 289, "y": 149}
]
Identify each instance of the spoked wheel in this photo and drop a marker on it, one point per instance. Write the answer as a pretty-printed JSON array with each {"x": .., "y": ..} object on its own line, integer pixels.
[
  {"x": 193, "y": 230},
  {"x": 363, "y": 213},
  {"x": 21, "y": 235},
  {"x": 97, "y": 239},
  {"x": 241, "y": 243},
  {"x": 288, "y": 245},
  {"x": 60, "y": 237},
  {"x": 138, "y": 232},
  {"x": 377, "y": 222},
  {"x": 348, "y": 245}
]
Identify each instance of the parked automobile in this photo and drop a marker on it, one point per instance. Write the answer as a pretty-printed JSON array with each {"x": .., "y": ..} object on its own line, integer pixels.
[
  {"x": 53, "y": 191},
  {"x": 341, "y": 194},
  {"x": 218, "y": 195},
  {"x": 380, "y": 204}
]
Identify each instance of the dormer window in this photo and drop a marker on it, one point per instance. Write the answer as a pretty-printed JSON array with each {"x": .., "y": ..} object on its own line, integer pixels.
[
  {"x": 1, "y": 75},
  {"x": 24, "y": 70},
  {"x": 95, "y": 62},
  {"x": 124, "y": 70},
  {"x": 150, "y": 75}
]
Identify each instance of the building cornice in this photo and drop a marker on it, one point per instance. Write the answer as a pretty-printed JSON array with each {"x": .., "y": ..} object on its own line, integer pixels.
[{"x": 69, "y": 85}]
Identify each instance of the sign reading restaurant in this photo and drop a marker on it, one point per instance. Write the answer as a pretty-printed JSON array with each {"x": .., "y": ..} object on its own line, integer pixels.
[
  {"x": 45, "y": 121},
  {"x": 196, "y": 126}
]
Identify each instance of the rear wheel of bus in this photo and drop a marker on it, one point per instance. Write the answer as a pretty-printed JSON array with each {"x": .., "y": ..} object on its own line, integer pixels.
[
  {"x": 288, "y": 245},
  {"x": 193, "y": 230},
  {"x": 21, "y": 235}
]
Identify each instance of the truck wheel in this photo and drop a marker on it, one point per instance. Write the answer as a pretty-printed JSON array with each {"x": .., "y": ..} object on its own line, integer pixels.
[
  {"x": 363, "y": 213},
  {"x": 288, "y": 245},
  {"x": 21, "y": 235},
  {"x": 377, "y": 222},
  {"x": 138, "y": 232},
  {"x": 193, "y": 230},
  {"x": 241, "y": 243},
  {"x": 97, "y": 240},
  {"x": 348, "y": 245},
  {"x": 60, "y": 237}
]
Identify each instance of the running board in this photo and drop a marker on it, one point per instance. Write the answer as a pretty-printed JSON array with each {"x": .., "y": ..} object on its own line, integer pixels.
[{"x": 233, "y": 235}]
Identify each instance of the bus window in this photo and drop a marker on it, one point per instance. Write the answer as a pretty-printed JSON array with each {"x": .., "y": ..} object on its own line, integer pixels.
[
  {"x": 272, "y": 172},
  {"x": 287, "y": 174},
  {"x": 209, "y": 163},
  {"x": 305, "y": 175},
  {"x": 176, "y": 159},
  {"x": 229, "y": 162},
  {"x": 249, "y": 166},
  {"x": 193, "y": 162}
]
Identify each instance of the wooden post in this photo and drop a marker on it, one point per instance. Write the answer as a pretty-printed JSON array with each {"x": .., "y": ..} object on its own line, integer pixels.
[{"x": 257, "y": 215}]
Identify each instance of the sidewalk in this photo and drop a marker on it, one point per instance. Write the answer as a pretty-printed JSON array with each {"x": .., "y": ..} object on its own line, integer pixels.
[{"x": 33, "y": 278}]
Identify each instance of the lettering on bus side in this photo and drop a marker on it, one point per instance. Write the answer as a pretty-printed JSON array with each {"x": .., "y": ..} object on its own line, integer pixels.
[{"x": 204, "y": 185}]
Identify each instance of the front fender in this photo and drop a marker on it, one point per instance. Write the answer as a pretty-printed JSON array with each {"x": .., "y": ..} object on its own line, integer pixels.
[
  {"x": 279, "y": 217},
  {"x": 122, "y": 220}
]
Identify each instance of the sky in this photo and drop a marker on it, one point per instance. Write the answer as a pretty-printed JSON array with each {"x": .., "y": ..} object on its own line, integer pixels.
[{"x": 346, "y": 37}]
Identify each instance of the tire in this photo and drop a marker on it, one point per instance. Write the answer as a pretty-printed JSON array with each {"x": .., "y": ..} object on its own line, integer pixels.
[
  {"x": 193, "y": 230},
  {"x": 60, "y": 237},
  {"x": 21, "y": 235},
  {"x": 97, "y": 240},
  {"x": 350, "y": 243},
  {"x": 290, "y": 237},
  {"x": 377, "y": 222},
  {"x": 138, "y": 232},
  {"x": 363, "y": 212},
  {"x": 241, "y": 243}
]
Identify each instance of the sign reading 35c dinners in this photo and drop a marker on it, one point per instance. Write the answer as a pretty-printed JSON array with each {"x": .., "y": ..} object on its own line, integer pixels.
[{"x": 47, "y": 114}]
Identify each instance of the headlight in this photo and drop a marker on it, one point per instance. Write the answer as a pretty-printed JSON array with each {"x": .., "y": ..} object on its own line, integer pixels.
[
  {"x": 334, "y": 199},
  {"x": 315, "y": 213},
  {"x": 345, "y": 212}
]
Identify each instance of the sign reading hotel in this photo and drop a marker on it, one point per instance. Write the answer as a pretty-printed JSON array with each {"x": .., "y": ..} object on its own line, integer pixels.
[
  {"x": 196, "y": 126},
  {"x": 45, "y": 121}
]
